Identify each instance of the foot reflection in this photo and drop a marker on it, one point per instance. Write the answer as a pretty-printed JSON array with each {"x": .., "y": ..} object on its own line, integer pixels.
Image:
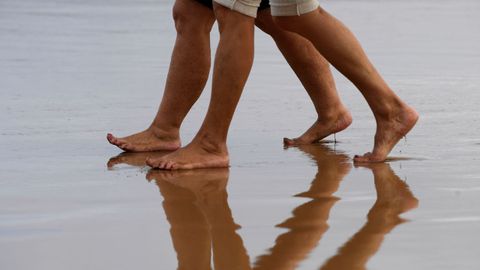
[
  {"x": 195, "y": 203},
  {"x": 134, "y": 159},
  {"x": 203, "y": 229},
  {"x": 393, "y": 198},
  {"x": 309, "y": 220}
]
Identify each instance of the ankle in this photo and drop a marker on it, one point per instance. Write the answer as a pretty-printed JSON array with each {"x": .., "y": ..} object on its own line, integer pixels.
[
  {"x": 211, "y": 144},
  {"x": 164, "y": 133},
  {"x": 388, "y": 109},
  {"x": 333, "y": 115}
]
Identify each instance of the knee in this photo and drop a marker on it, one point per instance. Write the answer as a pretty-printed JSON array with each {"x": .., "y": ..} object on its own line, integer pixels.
[
  {"x": 180, "y": 17},
  {"x": 222, "y": 15},
  {"x": 192, "y": 18}
]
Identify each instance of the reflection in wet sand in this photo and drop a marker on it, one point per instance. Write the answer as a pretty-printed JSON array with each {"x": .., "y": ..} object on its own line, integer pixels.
[
  {"x": 309, "y": 220},
  {"x": 393, "y": 198},
  {"x": 196, "y": 206},
  {"x": 134, "y": 159},
  {"x": 195, "y": 203}
]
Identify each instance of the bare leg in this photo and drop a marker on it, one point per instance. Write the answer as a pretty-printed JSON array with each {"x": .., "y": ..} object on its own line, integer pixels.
[
  {"x": 233, "y": 62},
  {"x": 314, "y": 73},
  {"x": 187, "y": 76},
  {"x": 339, "y": 46}
]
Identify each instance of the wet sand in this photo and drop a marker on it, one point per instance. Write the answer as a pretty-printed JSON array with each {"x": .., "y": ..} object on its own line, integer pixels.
[{"x": 71, "y": 71}]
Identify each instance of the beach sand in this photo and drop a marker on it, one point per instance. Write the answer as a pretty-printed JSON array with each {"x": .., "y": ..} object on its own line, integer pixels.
[{"x": 71, "y": 71}]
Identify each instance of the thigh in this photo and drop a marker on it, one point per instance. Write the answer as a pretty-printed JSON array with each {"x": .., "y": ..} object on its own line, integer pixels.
[{"x": 245, "y": 7}]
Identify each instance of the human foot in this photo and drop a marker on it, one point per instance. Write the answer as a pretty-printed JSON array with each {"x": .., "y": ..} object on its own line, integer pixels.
[
  {"x": 151, "y": 139},
  {"x": 389, "y": 132},
  {"x": 322, "y": 128},
  {"x": 193, "y": 156}
]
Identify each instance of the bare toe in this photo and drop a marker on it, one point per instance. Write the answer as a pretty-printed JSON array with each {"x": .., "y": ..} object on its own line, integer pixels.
[
  {"x": 163, "y": 164},
  {"x": 111, "y": 139},
  {"x": 288, "y": 142},
  {"x": 151, "y": 162},
  {"x": 169, "y": 165}
]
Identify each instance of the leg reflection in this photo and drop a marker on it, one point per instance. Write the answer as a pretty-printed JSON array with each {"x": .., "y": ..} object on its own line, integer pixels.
[
  {"x": 189, "y": 229},
  {"x": 393, "y": 199},
  {"x": 309, "y": 221},
  {"x": 195, "y": 203}
]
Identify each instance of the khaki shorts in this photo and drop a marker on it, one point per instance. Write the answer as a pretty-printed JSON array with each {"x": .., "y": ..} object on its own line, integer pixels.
[{"x": 278, "y": 7}]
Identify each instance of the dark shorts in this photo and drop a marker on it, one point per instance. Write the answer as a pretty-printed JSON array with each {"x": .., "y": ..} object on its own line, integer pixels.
[{"x": 263, "y": 5}]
